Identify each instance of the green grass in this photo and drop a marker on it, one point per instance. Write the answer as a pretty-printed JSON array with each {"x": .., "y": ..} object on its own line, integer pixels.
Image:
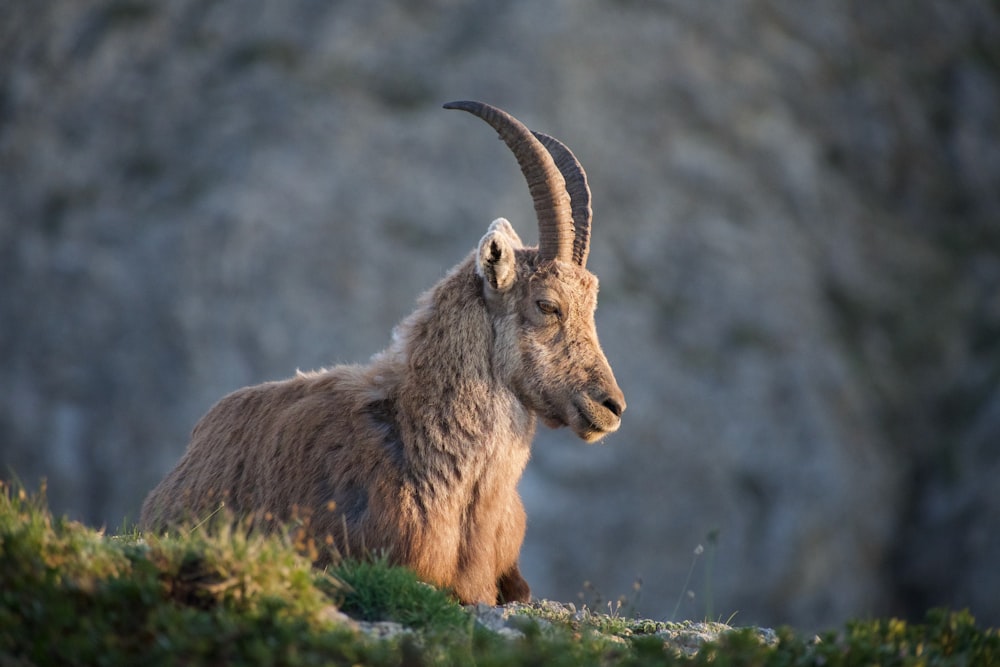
[
  {"x": 70, "y": 595},
  {"x": 374, "y": 591}
]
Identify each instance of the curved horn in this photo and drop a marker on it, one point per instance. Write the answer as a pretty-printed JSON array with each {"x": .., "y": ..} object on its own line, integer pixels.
[
  {"x": 545, "y": 181},
  {"x": 579, "y": 193}
]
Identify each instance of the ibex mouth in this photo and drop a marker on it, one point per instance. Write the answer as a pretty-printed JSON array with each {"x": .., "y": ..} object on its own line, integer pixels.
[
  {"x": 594, "y": 420},
  {"x": 590, "y": 420}
]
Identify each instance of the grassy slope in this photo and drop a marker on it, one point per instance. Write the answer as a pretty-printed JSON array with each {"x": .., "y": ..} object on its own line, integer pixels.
[{"x": 70, "y": 595}]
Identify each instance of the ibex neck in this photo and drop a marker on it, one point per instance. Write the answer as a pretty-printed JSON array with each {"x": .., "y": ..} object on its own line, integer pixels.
[{"x": 448, "y": 397}]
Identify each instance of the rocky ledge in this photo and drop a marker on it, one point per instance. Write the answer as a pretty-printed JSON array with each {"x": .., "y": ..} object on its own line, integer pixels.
[
  {"x": 686, "y": 637},
  {"x": 514, "y": 620}
]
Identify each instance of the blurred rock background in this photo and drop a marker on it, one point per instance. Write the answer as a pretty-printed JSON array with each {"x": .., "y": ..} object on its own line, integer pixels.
[{"x": 797, "y": 230}]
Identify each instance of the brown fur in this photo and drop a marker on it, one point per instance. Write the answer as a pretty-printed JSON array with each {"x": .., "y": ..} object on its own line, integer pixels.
[{"x": 417, "y": 454}]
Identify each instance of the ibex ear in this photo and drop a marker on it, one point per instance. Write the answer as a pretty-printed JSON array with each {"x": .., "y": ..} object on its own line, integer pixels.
[{"x": 496, "y": 255}]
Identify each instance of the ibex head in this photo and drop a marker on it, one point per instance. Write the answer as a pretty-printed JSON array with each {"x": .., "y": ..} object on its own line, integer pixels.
[{"x": 542, "y": 300}]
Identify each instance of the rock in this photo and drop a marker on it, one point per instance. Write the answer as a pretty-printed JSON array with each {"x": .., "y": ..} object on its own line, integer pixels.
[
  {"x": 795, "y": 233},
  {"x": 384, "y": 630},
  {"x": 685, "y": 638},
  {"x": 332, "y": 614},
  {"x": 498, "y": 619}
]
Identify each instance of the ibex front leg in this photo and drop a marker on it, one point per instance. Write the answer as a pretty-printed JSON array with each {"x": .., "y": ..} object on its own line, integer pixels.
[{"x": 512, "y": 587}]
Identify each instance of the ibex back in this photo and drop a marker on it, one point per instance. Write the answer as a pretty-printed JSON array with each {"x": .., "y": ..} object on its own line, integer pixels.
[{"x": 418, "y": 454}]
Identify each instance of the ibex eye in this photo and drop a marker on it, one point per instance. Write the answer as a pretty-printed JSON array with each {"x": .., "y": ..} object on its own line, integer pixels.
[{"x": 547, "y": 307}]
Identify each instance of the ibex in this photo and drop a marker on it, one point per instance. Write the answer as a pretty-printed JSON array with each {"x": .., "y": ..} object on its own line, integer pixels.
[{"x": 418, "y": 454}]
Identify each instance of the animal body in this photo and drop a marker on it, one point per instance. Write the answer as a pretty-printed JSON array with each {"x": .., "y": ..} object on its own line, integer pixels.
[{"x": 418, "y": 453}]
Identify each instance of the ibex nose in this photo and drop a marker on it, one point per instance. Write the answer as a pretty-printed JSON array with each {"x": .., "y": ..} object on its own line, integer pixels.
[{"x": 615, "y": 402}]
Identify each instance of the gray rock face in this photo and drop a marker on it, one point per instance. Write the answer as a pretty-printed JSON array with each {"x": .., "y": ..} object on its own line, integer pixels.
[{"x": 795, "y": 230}]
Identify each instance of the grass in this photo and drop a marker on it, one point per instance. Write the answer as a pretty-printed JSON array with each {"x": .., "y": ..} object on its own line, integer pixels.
[
  {"x": 375, "y": 591},
  {"x": 71, "y": 595}
]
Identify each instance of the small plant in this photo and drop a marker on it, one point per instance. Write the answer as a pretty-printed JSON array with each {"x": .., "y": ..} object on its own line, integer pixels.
[
  {"x": 375, "y": 591},
  {"x": 712, "y": 539},
  {"x": 685, "y": 591},
  {"x": 624, "y": 605}
]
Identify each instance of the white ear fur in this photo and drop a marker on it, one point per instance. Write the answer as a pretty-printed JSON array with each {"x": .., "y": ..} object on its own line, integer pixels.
[
  {"x": 496, "y": 262},
  {"x": 502, "y": 225}
]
